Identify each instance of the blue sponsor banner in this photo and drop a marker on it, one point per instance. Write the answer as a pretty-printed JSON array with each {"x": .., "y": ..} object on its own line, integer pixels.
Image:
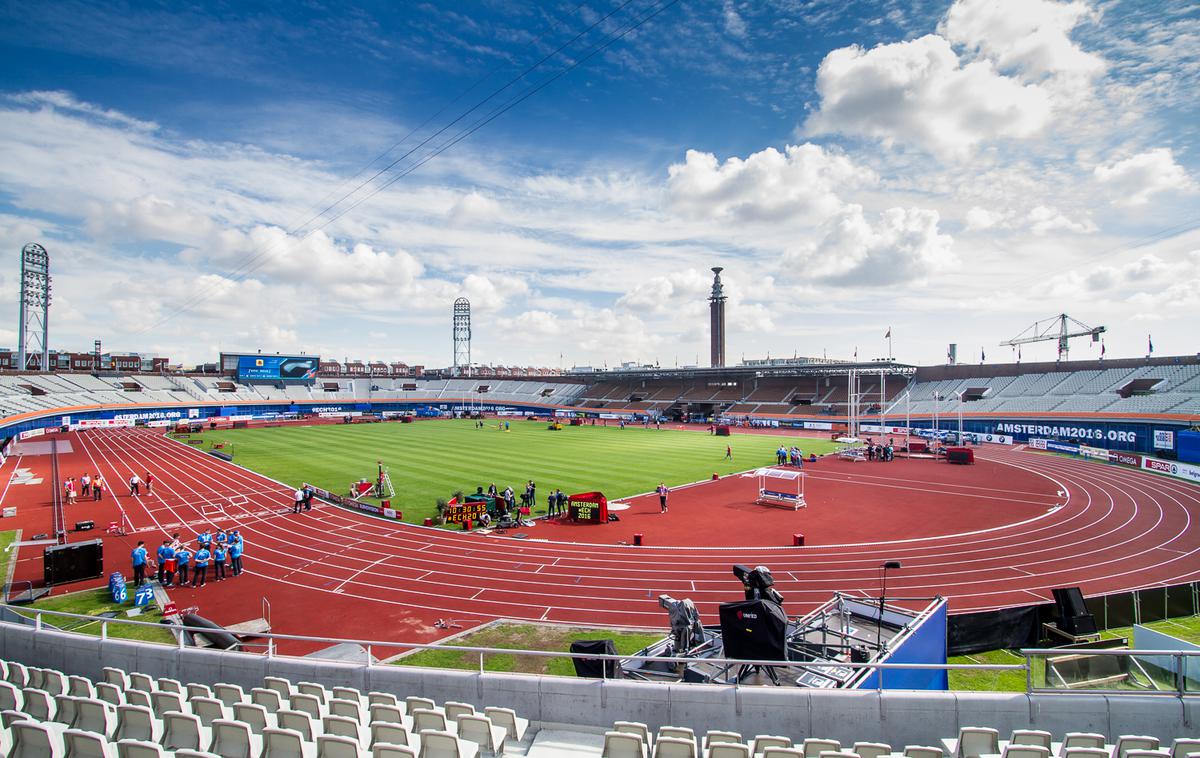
[
  {"x": 268, "y": 367},
  {"x": 1062, "y": 447},
  {"x": 926, "y": 643}
]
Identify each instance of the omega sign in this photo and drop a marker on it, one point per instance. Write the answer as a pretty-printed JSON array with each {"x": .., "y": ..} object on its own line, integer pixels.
[{"x": 1072, "y": 432}]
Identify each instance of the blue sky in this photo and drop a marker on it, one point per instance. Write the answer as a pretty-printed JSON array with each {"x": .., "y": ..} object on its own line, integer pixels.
[{"x": 954, "y": 171}]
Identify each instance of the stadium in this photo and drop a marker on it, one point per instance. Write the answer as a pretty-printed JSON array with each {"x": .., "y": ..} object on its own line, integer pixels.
[{"x": 453, "y": 545}]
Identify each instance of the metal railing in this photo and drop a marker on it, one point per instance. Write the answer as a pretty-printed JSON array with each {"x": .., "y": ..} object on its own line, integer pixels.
[{"x": 1182, "y": 662}]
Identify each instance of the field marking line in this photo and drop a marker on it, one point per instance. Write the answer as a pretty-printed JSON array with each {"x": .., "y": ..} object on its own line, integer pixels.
[
  {"x": 10, "y": 480},
  {"x": 356, "y": 574},
  {"x": 1023, "y": 571}
]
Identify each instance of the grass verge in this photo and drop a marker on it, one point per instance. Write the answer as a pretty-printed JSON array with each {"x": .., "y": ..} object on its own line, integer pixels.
[{"x": 98, "y": 601}]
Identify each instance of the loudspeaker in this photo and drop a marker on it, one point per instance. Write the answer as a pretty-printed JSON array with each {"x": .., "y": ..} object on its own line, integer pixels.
[
  {"x": 1073, "y": 615},
  {"x": 85, "y": 526},
  {"x": 754, "y": 630},
  {"x": 591, "y": 667},
  {"x": 72, "y": 563}
]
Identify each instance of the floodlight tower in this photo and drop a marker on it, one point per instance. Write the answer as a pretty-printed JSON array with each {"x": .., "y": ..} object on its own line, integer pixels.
[
  {"x": 1060, "y": 329},
  {"x": 716, "y": 311},
  {"x": 462, "y": 337},
  {"x": 35, "y": 308}
]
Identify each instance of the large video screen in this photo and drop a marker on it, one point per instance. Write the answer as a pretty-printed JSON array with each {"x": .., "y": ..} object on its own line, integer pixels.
[{"x": 277, "y": 367}]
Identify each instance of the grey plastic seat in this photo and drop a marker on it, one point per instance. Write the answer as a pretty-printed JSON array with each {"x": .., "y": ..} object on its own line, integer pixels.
[
  {"x": 336, "y": 746},
  {"x": 308, "y": 703},
  {"x": 229, "y": 694},
  {"x": 297, "y": 721},
  {"x": 389, "y": 733},
  {"x": 1081, "y": 740},
  {"x": 141, "y": 682},
  {"x": 634, "y": 727},
  {"x": 169, "y": 685},
  {"x": 425, "y": 720},
  {"x": 675, "y": 732},
  {"x": 480, "y": 730},
  {"x": 384, "y": 750},
  {"x": 1025, "y": 751},
  {"x": 110, "y": 693},
  {"x": 391, "y": 714},
  {"x": 1127, "y": 742},
  {"x": 194, "y": 690},
  {"x": 10, "y": 697},
  {"x": 78, "y": 686},
  {"x": 267, "y": 698},
  {"x": 139, "y": 697},
  {"x": 34, "y": 674},
  {"x": 716, "y": 735},
  {"x": 10, "y": 717},
  {"x": 347, "y": 693},
  {"x": 97, "y": 716},
  {"x": 233, "y": 739},
  {"x": 18, "y": 675},
  {"x": 382, "y": 698},
  {"x": 39, "y": 704},
  {"x": 32, "y": 740},
  {"x": 184, "y": 731},
  {"x": 436, "y": 744},
  {"x": 1184, "y": 746},
  {"x": 1030, "y": 737},
  {"x": 412, "y": 702},
  {"x": 54, "y": 682},
  {"x": 195, "y": 754},
  {"x": 64, "y": 709},
  {"x": 623, "y": 745},
  {"x": 779, "y": 752},
  {"x": 923, "y": 751},
  {"x": 813, "y": 747},
  {"x": 208, "y": 709},
  {"x": 340, "y": 726},
  {"x": 312, "y": 688},
  {"x": 764, "y": 741},
  {"x": 167, "y": 702},
  {"x": 1085, "y": 752},
  {"x": 674, "y": 747},
  {"x": 280, "y": 685},
  {"x": 872, "y": 749},
  {"x": 508, "y": 718},
  {"x": 728, "y": 750},
  {"x": 351, "y": 709},
  {"x": 137, "y": 722},
  {"x": 286, "y": 743},
  {"x": 139, "y": 749},
  {"x": 253, "y": 715},
  {"x": 974, "y": 741},
  {"x": 116, "y": 677},
  {"x": 454, "y": 709},
  {"x": 79, "y": 743}
]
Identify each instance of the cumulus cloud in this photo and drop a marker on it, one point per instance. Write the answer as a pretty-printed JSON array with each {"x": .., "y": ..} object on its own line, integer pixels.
[
  {"x": 981, "y": 218},
  {"x": 662, "y": 294},
  {"x": 1045, "y": 219},
  {"x": 1137, "y": 179},
  {"x": 474, "y": 207},
  {"x": 735, "y": 25},
  {"x": 800, "y": 184},
  {"x": 903, "y": 245},
  {"x": 919, "y": 92},
  {"x": 1031, "y": 36}
]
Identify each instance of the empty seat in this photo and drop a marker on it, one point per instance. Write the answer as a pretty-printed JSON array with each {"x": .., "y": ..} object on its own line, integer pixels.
[
  {"x": 139, "y": 697},
  {"x": 1030, "y": 737},
  {"x": 38, "y": 704},
  {"x": 140, "y": 682},
  {"x": 233, "y": 739},
  {"x": 974, "y": 741},
  {"x": 827, "y": 754},
  {"x": 381, "y": 698},
  {"x": 1148, "y": 754},
  {"x": 432, "y": 721},
  {"x": 675, "y": 732},
  {"x": 872, "y": 749},
  {"x": 18, "y": 675},
  {"x": 110, "y": 693},
  {"x": 728, "y": 750},
  {"x": 64, "y": 709},
  {"x": 1025, "y": 751},
  {"x": 923, "y": 751},
  {"x": 341, "y": 726},
  {"x": 391, "y": 714},
  {"x": 116, "y": 676},
  {"x": 285, "y": 743},
  {"x": 307, "y": 703},
  {"x": 229, "y": 694},
  {"x": 137, "y": 722},
  {"x": 792, "y": 752},
  {"x": 622, "y": 745},
  {"x": 11, "y": 698},
  {"x": 480, "y": 730},
  {"x": 764, "y": 741},
  {"x": 31, "y": 740},
  {"x": 297, "y": 721},
  {"x": 195, "y": 754},
  {"x": 193, "y": 690},
  {"x": 1127, "y": 742},
  {"x": 384, "y": 750},
  {"x": 347, "y": 693},
  {"x": 267, "y": 698},
  {"x": 208, "y": 709},
  {"x": 184, "y": 731},
  {"x": 715, "y": 735},
  {"x": 280, "y": 685},
  {"x": 53, "y": 682},
  {"x": 412, "y": 702},
  {"x": 813, "y": 747},
  {"x": 1085, "y": 752},
  {"x": 170, "y": 685},
  {"x": 454, "y": 709},
  {"x": 255, "y": 716},
  {"x": 79, "y": 743},
  {"x": 139, "y": 749},
  {"x": 312, "y": 688},
  {"x": 78, "y": 686},
  {"x": 95, "y": 716},
  {"x": 1081, "y": 740},
  {"x": 350, "y": 709},
  {"x": 335, "y": 746},
  {"x": 34, "y": 674},
  {"x": 166, "y": 702},
  {"x": 9, "y": 717},
  {"x": 388, "y": 733},
  {"x": 674, "y": 747},
  {"x": 445, "y": 745},
  {"x": 1184, "y": 746}
]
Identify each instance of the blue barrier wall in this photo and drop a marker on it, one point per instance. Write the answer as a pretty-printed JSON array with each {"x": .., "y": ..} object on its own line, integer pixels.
[{"x": 925, "y": 644}]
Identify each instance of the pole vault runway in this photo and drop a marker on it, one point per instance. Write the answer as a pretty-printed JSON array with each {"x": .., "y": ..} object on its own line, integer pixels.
[{"x": 336, "y": 573}]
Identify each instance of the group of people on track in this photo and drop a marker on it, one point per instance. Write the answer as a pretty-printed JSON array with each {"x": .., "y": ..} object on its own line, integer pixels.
[
  {"x": 176, "y": 559},
  {"x": 85, "y": 486}
]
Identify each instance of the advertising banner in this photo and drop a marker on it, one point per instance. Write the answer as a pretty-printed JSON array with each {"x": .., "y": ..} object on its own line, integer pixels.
[
  {"x": 1092, "y": 433},
  {"x": 1125, "y": 459},
  {"x": 1173, "y": 468},
  {"x": 1055, "y": 446},
  {"x": 31, "y": 433},
  {"x": 1095, "y": 453},
  {"x": 276, "y": 367},
  {"x": 1164, "y": 439},
  {"x": 823, "y": 425}
]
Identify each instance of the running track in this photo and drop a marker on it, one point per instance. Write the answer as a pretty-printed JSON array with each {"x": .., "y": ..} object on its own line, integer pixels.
[{"x": 337, "y": 573}]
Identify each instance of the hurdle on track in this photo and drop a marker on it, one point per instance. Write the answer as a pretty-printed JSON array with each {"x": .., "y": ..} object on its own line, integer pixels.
[{"x": 781, "y": 488}]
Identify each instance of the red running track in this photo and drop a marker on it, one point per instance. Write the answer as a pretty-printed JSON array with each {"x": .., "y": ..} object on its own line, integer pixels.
[{"x": 332, "y": 572}]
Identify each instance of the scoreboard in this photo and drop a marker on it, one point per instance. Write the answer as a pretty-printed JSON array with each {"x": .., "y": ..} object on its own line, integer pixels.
[{"x": 276, "y": 367}]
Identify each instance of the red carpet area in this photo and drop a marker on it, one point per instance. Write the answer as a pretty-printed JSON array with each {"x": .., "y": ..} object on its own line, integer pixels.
[{"x": 995, "y": 534}]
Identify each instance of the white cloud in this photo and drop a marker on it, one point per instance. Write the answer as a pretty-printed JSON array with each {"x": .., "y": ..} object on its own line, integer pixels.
[
  {"x": 1137, "y": 179},
  {"x": 474, "y": 207},
  {"x": 981, "y": 218},
  {"x": 65, "y": 101},
  {"x": 735, "y": 25},
  {"x": 1045, "y": 219},
  {"x": 918, "y": 92},
  {"x": 1032, "y": 36},
  {"x": 662, "y": 294},
  {"x": 904, "y": 245},
  {"x": 800, "y": 184}
]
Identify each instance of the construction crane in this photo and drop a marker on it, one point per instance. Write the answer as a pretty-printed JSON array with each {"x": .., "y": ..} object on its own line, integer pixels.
[{"x": 1062, "y": 328}]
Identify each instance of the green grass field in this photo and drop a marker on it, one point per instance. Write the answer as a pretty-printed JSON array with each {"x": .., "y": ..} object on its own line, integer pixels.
[{"x": 428, "y": 460}]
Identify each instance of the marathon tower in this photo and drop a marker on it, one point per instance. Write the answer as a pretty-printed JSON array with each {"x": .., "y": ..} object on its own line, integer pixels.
[{"x": 716, "y": 309}]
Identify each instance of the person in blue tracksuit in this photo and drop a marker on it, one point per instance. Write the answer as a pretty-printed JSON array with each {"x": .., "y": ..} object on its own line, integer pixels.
[
  {"x": 236, "y": 548},
  {"x": 183, "y": 558},
  {"x": 201, "y": 573},
  {"x": 138, "y": 559},
  {"x": 218, "y": 560},
  {"x": 161, "y": 555},
  {"x": 204, "y": 538}
]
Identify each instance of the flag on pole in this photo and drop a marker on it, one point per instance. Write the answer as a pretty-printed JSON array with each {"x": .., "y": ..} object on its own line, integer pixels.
[
  {"x": 982, "y": 355},
  {"x": 1018, "y": 353},
  {"x": 1102, "y": 348},
  {"x": 1150, "y": 342},
  {"x": 888, "y": 336},
  {"x": 856, "y": 352}
]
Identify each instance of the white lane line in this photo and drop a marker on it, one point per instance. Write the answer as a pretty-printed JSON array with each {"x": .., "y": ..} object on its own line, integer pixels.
[{"x": 356, "y": 574}]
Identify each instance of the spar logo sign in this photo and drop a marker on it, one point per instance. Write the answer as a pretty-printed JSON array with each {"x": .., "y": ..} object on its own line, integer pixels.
[{"x": 1154, "y": 464}]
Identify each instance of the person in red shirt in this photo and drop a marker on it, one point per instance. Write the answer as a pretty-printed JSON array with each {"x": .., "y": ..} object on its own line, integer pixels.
[{"x": 149, "y": 483}]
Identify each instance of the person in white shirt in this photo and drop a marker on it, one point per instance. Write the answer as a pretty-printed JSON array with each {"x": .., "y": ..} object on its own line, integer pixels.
[
  {"x": 298, "y": 497},
  {"x": 135, "y": 484}
]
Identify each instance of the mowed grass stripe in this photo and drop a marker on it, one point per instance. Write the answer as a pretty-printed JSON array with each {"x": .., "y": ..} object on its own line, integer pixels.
[{"x": 429, "y": 460}]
